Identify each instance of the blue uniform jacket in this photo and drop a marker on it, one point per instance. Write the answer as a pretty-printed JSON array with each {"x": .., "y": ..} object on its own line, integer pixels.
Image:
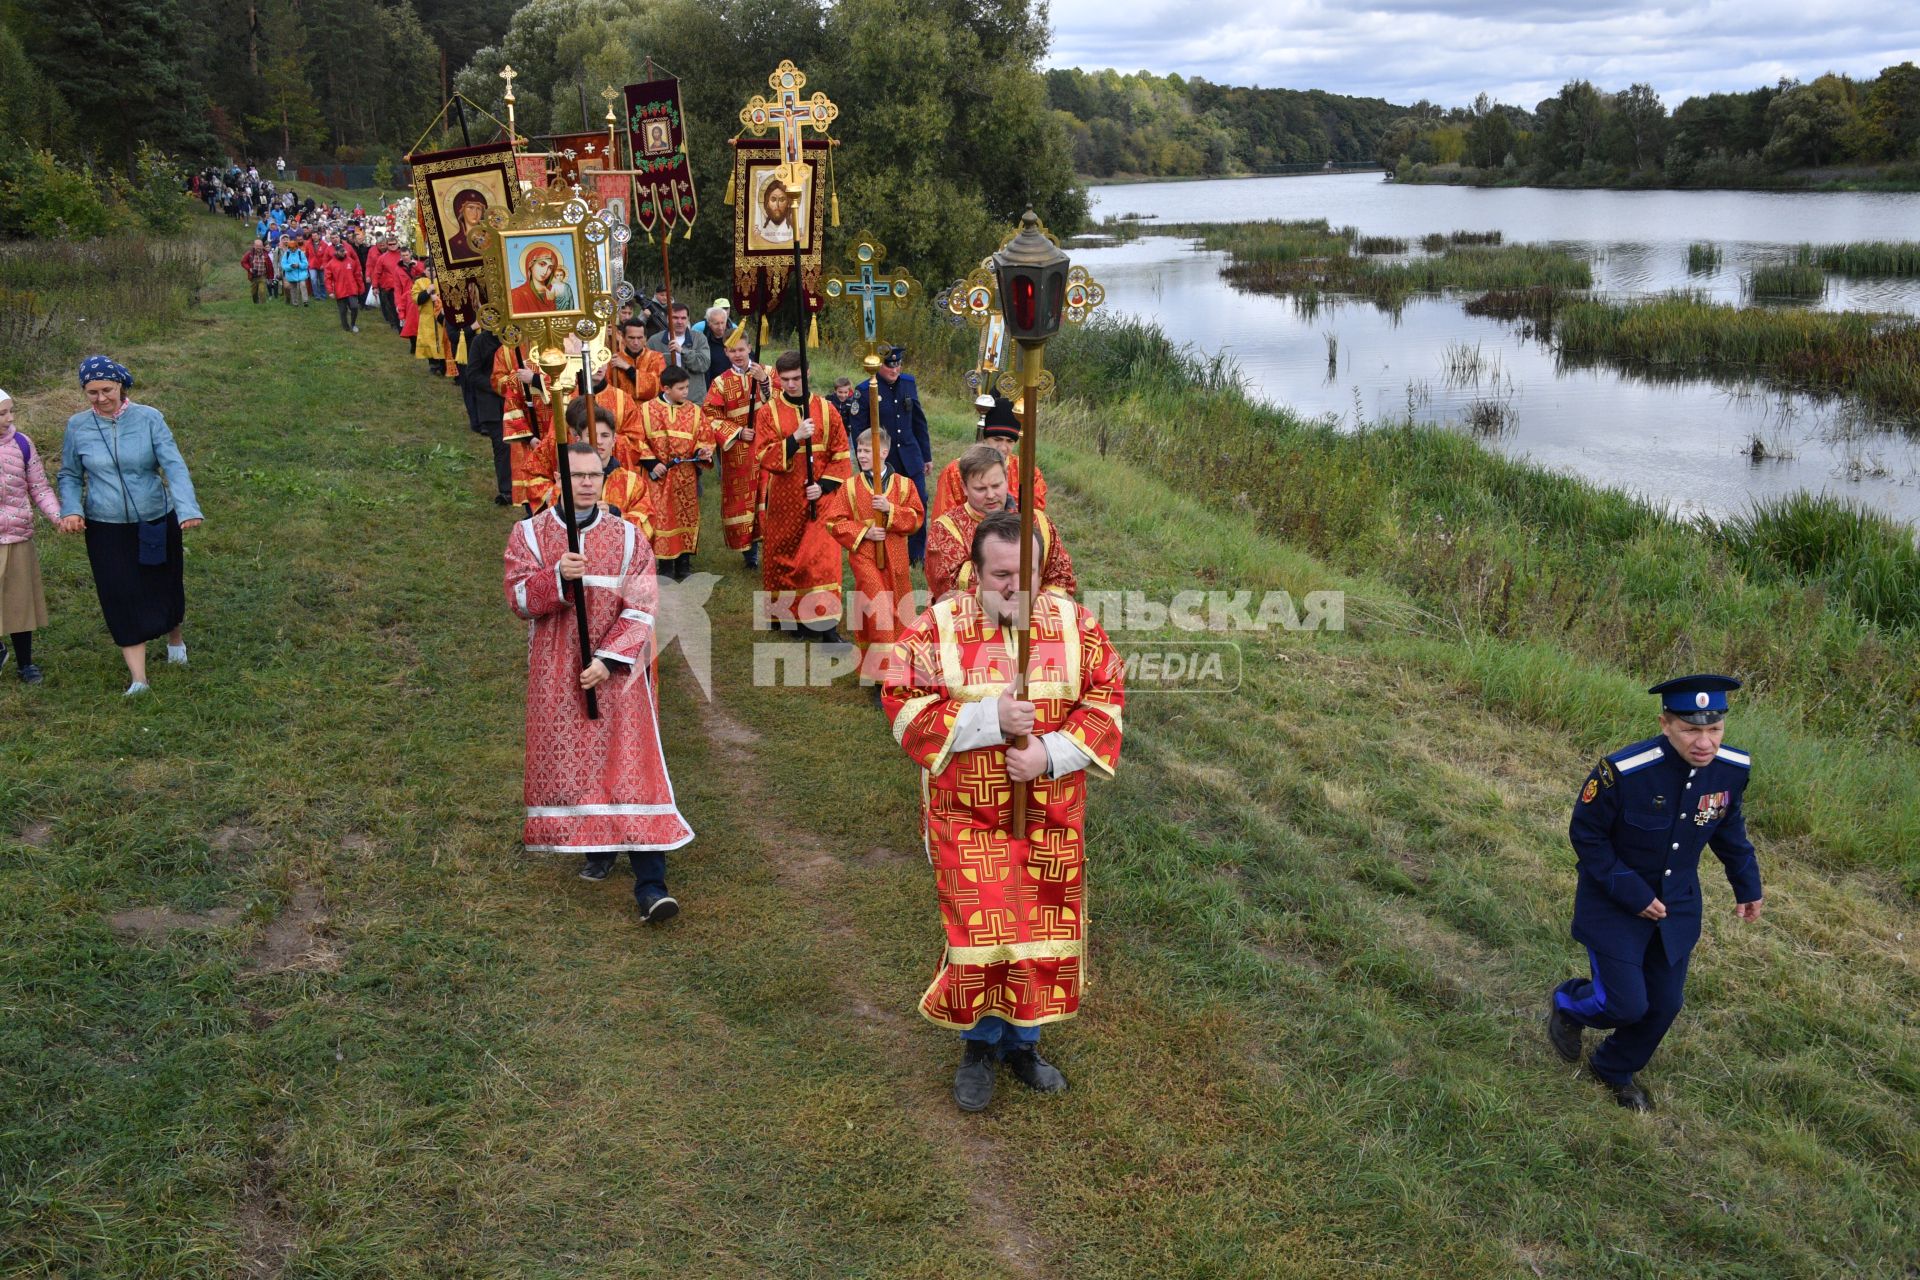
[
  {"x": 905, "y": 421},
  {"x": 1638, "y": 828}
]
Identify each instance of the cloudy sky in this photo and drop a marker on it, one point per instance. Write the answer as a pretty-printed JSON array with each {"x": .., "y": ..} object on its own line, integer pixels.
[{"x": 1449, "y": 50}]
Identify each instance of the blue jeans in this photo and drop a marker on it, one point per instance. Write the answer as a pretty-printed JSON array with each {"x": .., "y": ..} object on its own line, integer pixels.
[
  {"x": 1002, "y": 1035},
  {"x": 649, "y": 872}
]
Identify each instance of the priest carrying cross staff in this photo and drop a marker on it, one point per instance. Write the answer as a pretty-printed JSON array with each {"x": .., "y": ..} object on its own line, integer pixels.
[{"x": 1014, "y": 910}]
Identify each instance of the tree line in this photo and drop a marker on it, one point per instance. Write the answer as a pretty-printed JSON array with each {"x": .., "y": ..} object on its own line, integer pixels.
[
  {"x": 1586, "y": 136},
  {"x": 1170, "y": 126}
]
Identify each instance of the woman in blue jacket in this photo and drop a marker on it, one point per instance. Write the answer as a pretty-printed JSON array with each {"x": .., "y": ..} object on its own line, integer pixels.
[{"x": 124, "y": 483}]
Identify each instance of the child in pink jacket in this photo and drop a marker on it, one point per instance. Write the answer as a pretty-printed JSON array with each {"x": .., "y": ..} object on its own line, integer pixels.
[{"x": 23, "y": 486}]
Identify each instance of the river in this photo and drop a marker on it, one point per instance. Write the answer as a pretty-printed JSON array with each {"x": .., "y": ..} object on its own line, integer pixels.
[{"x": 1686, "y": 444}]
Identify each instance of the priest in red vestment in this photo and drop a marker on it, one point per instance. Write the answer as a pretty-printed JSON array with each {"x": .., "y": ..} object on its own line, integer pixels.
[
  {"x": 597, "y": 788},
  {"x": 1014, "y": 909},
  {"x": 800, "y": 564},
  {"x": 950, "y": 542},
  {"x": 634, "y": 368},
  {"x": 862, "y": 519},
  {"x": 525, "y": 419},
  {"x": 732, "y": 399}
]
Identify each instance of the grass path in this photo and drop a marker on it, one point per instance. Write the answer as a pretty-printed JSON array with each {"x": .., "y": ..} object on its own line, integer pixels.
[{"x": 353, "y": 1032}]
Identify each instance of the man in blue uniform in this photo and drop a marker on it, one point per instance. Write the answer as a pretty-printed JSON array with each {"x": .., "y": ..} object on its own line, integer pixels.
[
  {"x": 1639, "y": 825},
  {"x": 906, "y": 422}
]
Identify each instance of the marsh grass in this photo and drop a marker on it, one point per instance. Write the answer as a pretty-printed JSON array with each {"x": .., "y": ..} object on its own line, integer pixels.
[
  {"x": 1874, "y": 359},
  {"x": 1787, "y": 280},
  {"x": 1703, "y": 257},
  {"x": 1868, "y": 259}
]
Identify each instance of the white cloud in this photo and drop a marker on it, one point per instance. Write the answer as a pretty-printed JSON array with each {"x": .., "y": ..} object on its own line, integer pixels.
[{"x": 1449, "y": 50}]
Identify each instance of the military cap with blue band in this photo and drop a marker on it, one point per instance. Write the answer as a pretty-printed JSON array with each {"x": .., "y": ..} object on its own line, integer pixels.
[{"x": 1700, "y": 699}]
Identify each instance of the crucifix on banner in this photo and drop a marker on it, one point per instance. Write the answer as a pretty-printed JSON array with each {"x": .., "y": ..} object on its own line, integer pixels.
[
  {"x": 870, "y": 289},
  {"x": 790, "y": 115}
]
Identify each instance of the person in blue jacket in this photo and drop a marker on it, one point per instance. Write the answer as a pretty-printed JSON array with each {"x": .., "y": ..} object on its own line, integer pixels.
[
  {"x": 900, "y": 413},
  {"x": 1638, "y": 829}
]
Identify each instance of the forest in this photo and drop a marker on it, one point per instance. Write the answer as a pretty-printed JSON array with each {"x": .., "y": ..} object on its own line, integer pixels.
[{"x": 1586, "y": 136}]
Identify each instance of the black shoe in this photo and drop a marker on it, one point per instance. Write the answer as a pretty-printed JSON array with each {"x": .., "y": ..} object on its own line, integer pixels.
[
  {"x": 30, "y": 673},
  {"x": 751, "y": 557},
  {"x": 830, "y": 636},
  {"x": 1628, "y": 1094},
  {"x": 502, "y": 500},
  {"x": 597, "y": 870},
  {"x": 1563, "y": 1033},
  {"x": 660, "y": 910},
  {"x": 1034, "y": 1071},
  {"x": 973, "y": 1082}
]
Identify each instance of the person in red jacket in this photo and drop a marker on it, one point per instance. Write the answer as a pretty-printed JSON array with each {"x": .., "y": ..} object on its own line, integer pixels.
[
  {"x": 403, "y": 301},
  {"x": 346, "y": 284},
  {"x": 388, "y": 279}
]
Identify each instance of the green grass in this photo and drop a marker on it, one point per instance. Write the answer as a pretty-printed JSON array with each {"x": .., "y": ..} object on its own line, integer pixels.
[
  {"x": 1703, "y": 257},
  {"x": 1873, "y": 359},
  {"x": 1786, "y": 280},
  {"x": 1326, "y": 910}
]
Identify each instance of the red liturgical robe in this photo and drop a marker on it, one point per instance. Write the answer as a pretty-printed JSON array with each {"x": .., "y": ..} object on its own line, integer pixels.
[
  {"x": 799, "y": 561},
  {"x": 592, "y": 786},
  {"x": 1014, "y": 910}
]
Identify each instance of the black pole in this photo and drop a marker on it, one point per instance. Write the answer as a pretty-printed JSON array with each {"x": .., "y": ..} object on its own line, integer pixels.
[
  {"x": 800, "y": 335},
  {"x": 460, "y": 114},
  {"x": 563, "y": 473}
]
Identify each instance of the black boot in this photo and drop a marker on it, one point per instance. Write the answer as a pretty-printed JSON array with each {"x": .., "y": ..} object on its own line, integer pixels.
[
  {"x": 1628, "y": 1094},
  {"x": 973, "y": 1082},
  {"x": 683, "y": 566},
  {"x": 1563, "y": 1033},
  {"x": 751, "y": 556},
  {"x": 1034, "y": 1071}
]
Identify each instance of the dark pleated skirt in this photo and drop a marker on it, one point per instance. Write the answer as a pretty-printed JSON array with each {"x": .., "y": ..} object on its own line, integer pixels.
[{"x": 140, "y": 602}]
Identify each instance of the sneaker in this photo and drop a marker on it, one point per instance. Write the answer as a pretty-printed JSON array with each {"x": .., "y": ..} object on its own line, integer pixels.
[
  {"x": 30, "y": 673},
  {"x": 1034, "y": 1071},
  {"x": 660, "y": 910},
  {"x": 596, "y": 870},
  {"x": 177, "y": 654},
  {"x": 135, "y": 689},
  {"x": 973, "y": 1082}
]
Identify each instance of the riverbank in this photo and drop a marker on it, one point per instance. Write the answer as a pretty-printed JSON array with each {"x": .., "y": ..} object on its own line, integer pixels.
[
  {"x": 283, "y": 997},
  {"x": 1139, "y": 179},
  {"x": 1902, "y": 176}
]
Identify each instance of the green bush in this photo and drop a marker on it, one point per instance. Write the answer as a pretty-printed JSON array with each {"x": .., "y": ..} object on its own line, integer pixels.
[
  {"x": 154, "y": 194},
  {"x": 44, "y": 200}
]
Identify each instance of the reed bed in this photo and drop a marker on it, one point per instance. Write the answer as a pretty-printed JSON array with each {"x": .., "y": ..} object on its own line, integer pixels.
[
  {"x": 1381, "y": 244},
  {"x": 1439, "y": 242},
  {"x": 1702, "y": 256},
  {"x": 1786, "y": 280},
  {"x": 1875, "y": 359},
  {"x": 1870, "y": 259}
]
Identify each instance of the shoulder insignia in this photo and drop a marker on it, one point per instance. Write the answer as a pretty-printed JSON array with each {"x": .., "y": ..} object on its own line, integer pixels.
[
  {"x": 1606, "y": 773},
  {"x": 1588, "y": 792},
  {"x": 1637, "y": 761},
  {"x": 1731, "y": 756}
]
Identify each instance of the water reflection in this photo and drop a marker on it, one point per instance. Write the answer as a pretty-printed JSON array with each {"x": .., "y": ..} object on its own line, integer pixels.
[{"x": 1688, "y": 443}]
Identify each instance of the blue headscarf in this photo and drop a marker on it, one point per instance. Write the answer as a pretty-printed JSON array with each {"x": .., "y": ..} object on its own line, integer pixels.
[{"x": 95, "y": 368}]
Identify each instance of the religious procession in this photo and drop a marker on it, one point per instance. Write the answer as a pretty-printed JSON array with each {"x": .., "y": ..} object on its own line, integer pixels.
[{"x": 613, "y": 419}]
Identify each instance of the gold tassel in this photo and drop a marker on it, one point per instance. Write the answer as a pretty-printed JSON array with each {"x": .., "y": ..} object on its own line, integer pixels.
[
  {"x": 763, "y": 331},
  {"x": 813, "y": 331},
  {"x": 728, "y": 198},
  {"x": 689, "y": 234},
  {"x": 834, "y": 186}
]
